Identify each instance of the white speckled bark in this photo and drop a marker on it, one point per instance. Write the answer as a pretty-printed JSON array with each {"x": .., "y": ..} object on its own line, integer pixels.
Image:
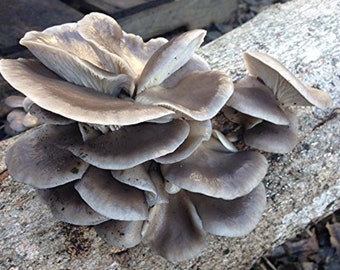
[{"x": 304, "y": 35}]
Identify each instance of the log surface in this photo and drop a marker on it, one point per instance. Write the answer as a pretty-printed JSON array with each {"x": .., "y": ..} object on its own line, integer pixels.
[{"x": 302, "y": 185}]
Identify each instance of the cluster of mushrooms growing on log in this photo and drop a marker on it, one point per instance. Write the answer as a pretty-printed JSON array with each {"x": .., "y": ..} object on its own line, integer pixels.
[{"x": 125, "y": 141}]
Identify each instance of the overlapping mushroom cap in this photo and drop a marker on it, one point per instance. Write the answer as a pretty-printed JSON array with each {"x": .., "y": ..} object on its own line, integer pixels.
[
  {"x": 261, "y": 103},
  {"x": 126, "y": 143}
]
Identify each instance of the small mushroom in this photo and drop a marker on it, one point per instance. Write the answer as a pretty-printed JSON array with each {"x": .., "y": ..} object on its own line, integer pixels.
[
  {"x": 40, "y": 159},
  {"x": 109, "y": 197},
  {"x": 253, "y": 98},
  {"x": 214, "y": 171},
  {"x": 273, "y": 138},
  {"x": 285, "y": 86},
  {"x": 121, "y": 234},
  {"x": 66, "y": 205}
]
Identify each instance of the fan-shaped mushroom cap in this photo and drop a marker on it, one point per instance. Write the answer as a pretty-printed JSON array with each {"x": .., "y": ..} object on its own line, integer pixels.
[
  {"x": 199, "y": 131},
  {"x": 273, "y": 138},
  {"x": 71, "y": 101},
  {"x": 169, "y": 58},
  {"x": 132, "y": 145},
  {"x": 231, "y": 218},
  {"x": 128, "y": 52},
  {"x": 214, "y": 171},
  {"x": 285, "y": 86},
  {"x": 39, "y": 158},
  {"x": 199, "y": 96},
  {"x": 255, "y": 99},
  {"x": 66, "y": 205},
  {"x": 63, "y": 50},
  {"x": 174, "y": 230},
  {"x": 121, "y": 234},
  {"x": 111, "y": 198}
]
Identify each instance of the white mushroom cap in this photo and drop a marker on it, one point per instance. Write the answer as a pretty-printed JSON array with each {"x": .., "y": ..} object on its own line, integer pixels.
[
  {"x": 285, "y": 86},
  {"x": 214, "y": 171},
  {"x": 71, "y": 101},
  {"x": 174, "y": 230},
  {"x": 121, "y": 234},
  {"x": 132, "y": 145},
  {"x": 66, "y": 205},
  {"x": 231, "y": 218},
  {"x": 111, "y": 198},
  {"x": 273, "y": 138},
  {"x": 39, "y": 158}
]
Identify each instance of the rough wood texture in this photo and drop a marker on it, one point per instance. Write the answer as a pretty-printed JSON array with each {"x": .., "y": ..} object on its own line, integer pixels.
[
  {"x": 175, "y": 14},
  {"x": 302, "y": 185}
]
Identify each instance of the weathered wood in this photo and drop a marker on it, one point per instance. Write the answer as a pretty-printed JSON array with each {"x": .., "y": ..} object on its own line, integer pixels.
[
  {"x": 175, "y": 14},
  {"x": 304, "y": 35}
]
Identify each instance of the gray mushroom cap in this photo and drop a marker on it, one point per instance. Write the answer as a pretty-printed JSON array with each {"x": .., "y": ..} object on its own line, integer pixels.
[
  {"x": 199, "y": 131},
  {"x": 231, "y": 218},
  {"x": 39, "y": 157},
  {"x": 121, "y": 234},
  {"x": 132, "y": 145},
  {"x": 285, "y": 86},
  {"x": 174, "y": 230},
  {"x": 111, "y": 198},
  {"x": 273, "y": 138},
  {"x": 198, "y": 96},
  {"x": 253, "y": 98},
  {"x": 169, "y": 58},
  {"x": 71, "y": 101},
  {"x": 66, "y": 205},
  {"x": 214, "y": 171}
]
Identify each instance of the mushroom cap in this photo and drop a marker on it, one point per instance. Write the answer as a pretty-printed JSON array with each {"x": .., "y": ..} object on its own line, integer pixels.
[
  {"x": 169, "y": 58},
  {"x": 132, "y": 145},
  {"x": 66, "y": 205},
  {"x": 39, "y": 157},
  {"x": 71, "y": 101},
  {"x": 199, "y": 131},
  {"x": 285, "y": 86},
  {"x": 14, "y": 101},
  {"x": 109, "y": 197},
  {"x": 64, "y": 51},
  {"x": 47, "y": 117},
  {"x": 253, "y": 98},
  {"x": 231, "y": 218},
  {"x": 198, "y": 96},
  {"x": 273, "y": 138},
  {"x": 174, "y": 229},
  {"x": 128, "y": 53},
  {"x": 213, "y": 171},
  {"x": 121, "y": 234}
]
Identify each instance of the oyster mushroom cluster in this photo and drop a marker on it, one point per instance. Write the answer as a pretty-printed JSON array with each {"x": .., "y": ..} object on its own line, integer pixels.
[{"x": 125, "y": 141}]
